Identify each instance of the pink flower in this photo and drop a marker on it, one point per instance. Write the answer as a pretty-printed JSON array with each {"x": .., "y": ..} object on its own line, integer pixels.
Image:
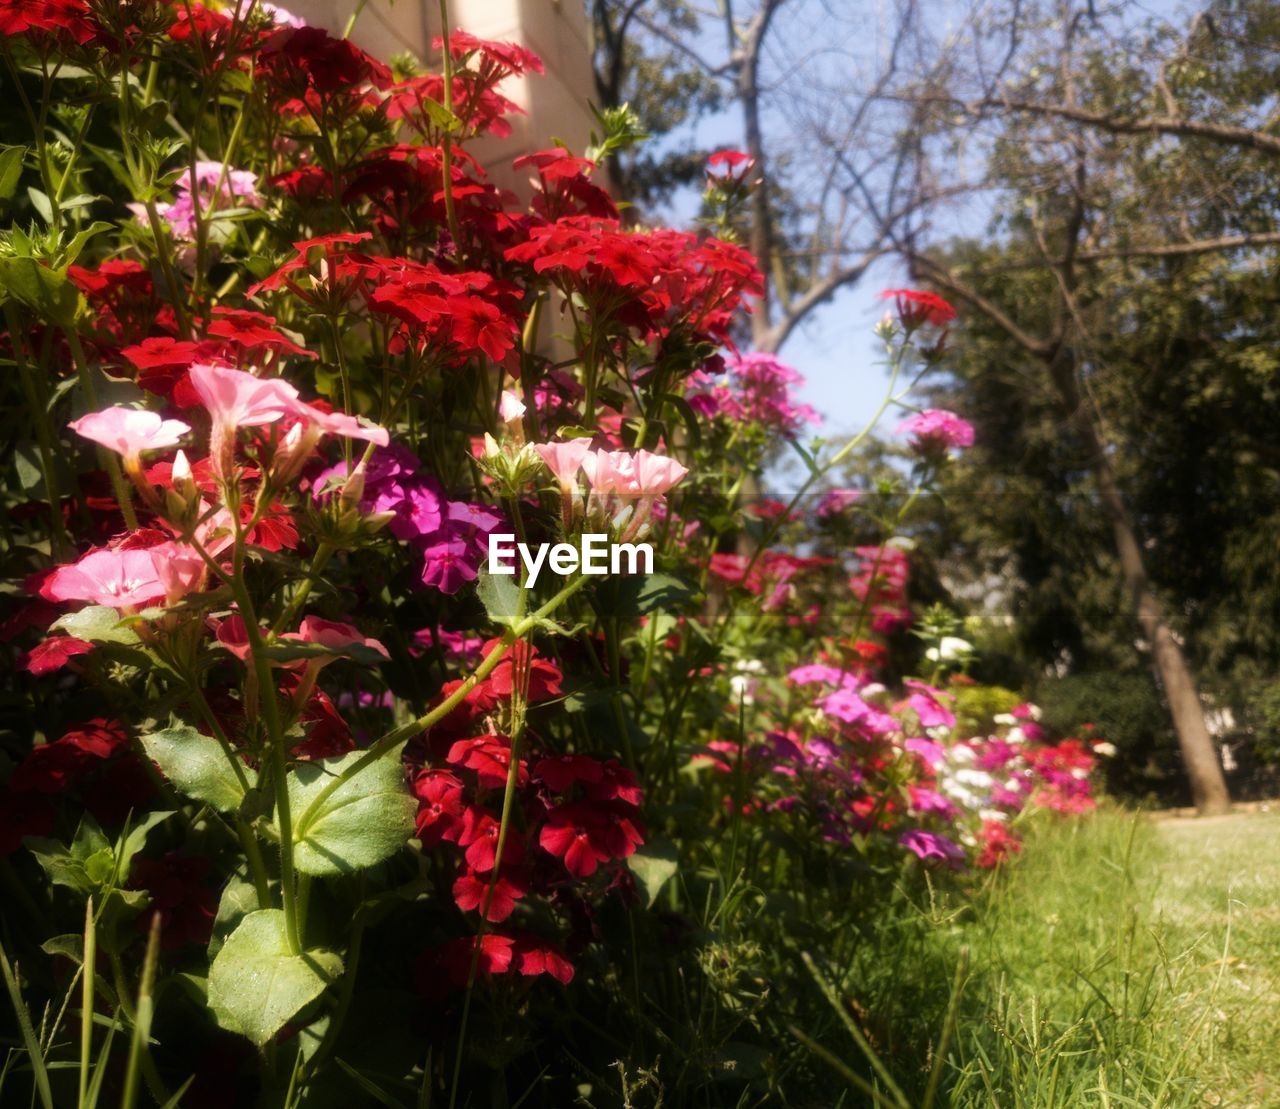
[
  {"x": 129, "y": 431},
  {"x": 334, "y": 635},
  {"x": 609, "y": 472},
  {"x": 510, "y": 407},
  {"x": 217, "y": 187},
  {"x": 180, "y": 569},
  {"x": 115, "y": 578},
  {"x": 927, "y": 703},
  {"x": 564, "y": 460},
  {"x": 937, "y": 428},
  {"x": 339, "y": 423},
  {"x": 236, "y": 399},
  {"x": 656, "y": 474}
]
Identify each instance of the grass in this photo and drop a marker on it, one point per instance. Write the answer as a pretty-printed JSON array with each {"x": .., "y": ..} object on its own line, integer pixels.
[{"x": 1122, "y": 961}]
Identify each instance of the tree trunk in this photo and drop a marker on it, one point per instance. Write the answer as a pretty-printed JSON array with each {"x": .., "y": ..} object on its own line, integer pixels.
[{"x": 1199, "y": 759}]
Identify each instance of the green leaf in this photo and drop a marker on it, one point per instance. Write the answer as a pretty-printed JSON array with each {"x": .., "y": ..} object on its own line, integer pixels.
[
  {"x": 97, "y": 624},
  {"x": 10, "y": 170},
  {"x": 687, "y": 415},
  {"x": 72, "y": 250},
  {"x": 440, "y": 115},
  {"x": 40, "y": 202},
  {"x": 289, "y": 650},
  {"x": 239, "y": 899},
  {"x": 256, "y": 986},
  {"x": 367, "y": 818},
  {"x": 500, "y": 595},
  {"x": 37, "y": 286},
  {"x": 637, "y": 594},
  {"x": 654, "y": 866},
  {"x": 197, "y": 766}
]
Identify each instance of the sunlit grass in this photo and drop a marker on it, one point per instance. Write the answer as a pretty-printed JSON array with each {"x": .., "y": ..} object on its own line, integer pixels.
[{"x": 1126, "y": 961}]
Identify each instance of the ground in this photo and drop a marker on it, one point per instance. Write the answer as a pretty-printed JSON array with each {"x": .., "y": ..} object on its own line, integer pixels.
[{"x": 1126, "y": 960}]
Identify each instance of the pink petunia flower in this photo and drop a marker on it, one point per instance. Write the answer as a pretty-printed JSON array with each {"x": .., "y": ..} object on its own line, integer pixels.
[
  {"x": 236, "y": 399},
  {"x": 130, "y": 431},
  {"x": 115, "y": 578}
]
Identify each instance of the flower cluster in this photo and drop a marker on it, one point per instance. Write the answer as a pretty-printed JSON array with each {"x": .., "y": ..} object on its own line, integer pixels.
[
  {"x": 578, "y": 819},
  {"x": 758, "y": 393}
]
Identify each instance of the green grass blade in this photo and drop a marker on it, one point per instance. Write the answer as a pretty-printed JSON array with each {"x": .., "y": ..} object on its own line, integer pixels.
[{"x": 28, "y": 1032}]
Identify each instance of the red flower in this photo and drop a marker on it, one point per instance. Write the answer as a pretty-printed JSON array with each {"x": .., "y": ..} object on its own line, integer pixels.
[
  {"x": 55, "y": 766},
  {"x": 998, "y": 843},
  {"x": 314, "y": 72},
  {"x": 586, "y": 835},
  {"x": 441, "y": 969},
  {"x": 162, "y": 363},
  {"x": 54, "y": 653},
  {"x": 22, "y": 815},
  {"x": 539, "y": 678},
  {"x": 185, "y": 907},
  {"x": 441, "y": 809},
  {"x": 730, "y": 159},
  {"x": 563, "y": 772},
  {"x": 916, "y": 307},
  {"x": 253, "y": 332},
  {"x": 471, "y": 890},
  {"x": 490, "y": 757},
  {"x": 479, "y": 835},
  {"x": 533, "y": 957},
  {"x": 328, "y": 734},
  {"x": 616, "y": 783},
  {"x": 69, "y": 17}
]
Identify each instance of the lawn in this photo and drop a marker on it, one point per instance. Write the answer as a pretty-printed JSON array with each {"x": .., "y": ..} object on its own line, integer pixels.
[{"x": 1124, "y": 960}]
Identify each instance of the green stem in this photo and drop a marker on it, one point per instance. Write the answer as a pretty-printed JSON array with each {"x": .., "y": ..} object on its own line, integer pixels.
[
  {"x": 318, "y": 562},
  {"x": 59, "y": 543},
  {"x": 279, "y": 764}
]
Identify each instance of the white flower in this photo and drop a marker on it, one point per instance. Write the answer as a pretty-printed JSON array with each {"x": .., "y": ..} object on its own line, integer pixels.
[
  {"x": 1007, "y": 719},
  {"x": 1105, "y": 749},
  {"x": 949, "y": 647}
]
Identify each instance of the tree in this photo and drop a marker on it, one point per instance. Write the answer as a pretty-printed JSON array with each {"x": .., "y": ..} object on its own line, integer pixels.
[
  {"x": 834, "y": 158},
  {"x": 1113, "y": 154}
]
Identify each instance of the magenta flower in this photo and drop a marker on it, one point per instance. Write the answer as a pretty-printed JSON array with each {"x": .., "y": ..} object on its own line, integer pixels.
[
  {"x": 115, "y": 578},
  {"x": 130, "y": 431},
  {"x": 449, "y": 565},
  {"x": 931, "y": 845},
  {"x": 936, "y": 428},
  {"x": 926, "y": 703},
  {"x": 933, "y": 754},
  {"x": 929, "y": 801},
  {"x": 216, "y": 187}
]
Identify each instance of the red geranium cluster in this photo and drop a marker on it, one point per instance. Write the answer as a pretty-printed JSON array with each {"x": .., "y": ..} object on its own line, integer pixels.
[
  {"x": 92, "y": 761},
  {"x": 575, "y": 815}
]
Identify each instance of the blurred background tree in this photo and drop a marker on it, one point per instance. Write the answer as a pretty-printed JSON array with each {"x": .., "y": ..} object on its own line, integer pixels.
[{"x": 1095, "y": 186}]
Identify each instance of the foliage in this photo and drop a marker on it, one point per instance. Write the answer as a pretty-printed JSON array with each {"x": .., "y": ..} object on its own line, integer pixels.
[{"x": 316, "y": 804}]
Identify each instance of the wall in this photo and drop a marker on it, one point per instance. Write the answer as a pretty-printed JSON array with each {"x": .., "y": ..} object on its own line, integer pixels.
[{"x": 556, "y": 30}]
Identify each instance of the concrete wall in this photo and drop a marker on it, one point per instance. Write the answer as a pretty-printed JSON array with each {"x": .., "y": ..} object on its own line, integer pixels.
[{"x": 556, "y": 30}]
